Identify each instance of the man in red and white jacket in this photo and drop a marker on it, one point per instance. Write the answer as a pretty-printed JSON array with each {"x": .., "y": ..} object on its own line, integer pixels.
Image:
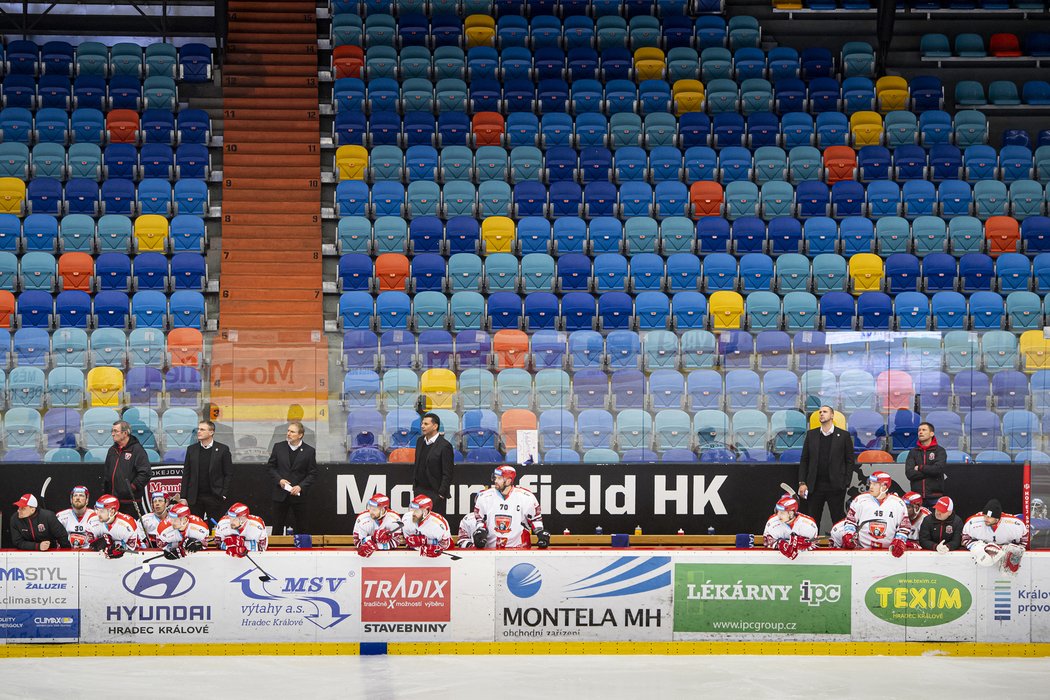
[
  {"x": 925, "y": 466},
  {"x": 789, "y": 531},
  {"x": 240, "y": 532},
  {"x": 117, "y": 532}
]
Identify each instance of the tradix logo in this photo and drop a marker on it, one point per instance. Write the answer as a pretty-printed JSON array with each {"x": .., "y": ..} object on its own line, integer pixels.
[{"x": 160, "y": 581}]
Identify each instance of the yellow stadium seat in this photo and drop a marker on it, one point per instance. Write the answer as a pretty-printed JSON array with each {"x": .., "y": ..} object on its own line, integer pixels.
[
  {"x": 12, "y": 196},
  {"x": 351, "y": 162},
  {"x": 438, "y": 386},
  {"x": 480, "y": 30},
  {"x": 866, "y": 128},
  {"x": 787, "y": 5},
  {"x": 497, "y": 234},
  {"x": 151, "y": 233},
  {"x": 865, "y": 272},
  {"x": 726, "y": 309},
  {"x": 688, "y": 96},
  {"x": 839, "y": 420},
  {"x": 105, "y": 385},
  {"x": 649, "y": 64},
  {"x": 891, "y": 93},
  {"x": 1034, "y": 350}
]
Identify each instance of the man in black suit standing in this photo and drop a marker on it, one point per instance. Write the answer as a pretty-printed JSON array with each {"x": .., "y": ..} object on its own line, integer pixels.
[
  {"x": 293, "y": 468},
  {"x": 206, "y": 472},
  {"x": 432, "y": 473},
  {"x": 825, "y": 468}
]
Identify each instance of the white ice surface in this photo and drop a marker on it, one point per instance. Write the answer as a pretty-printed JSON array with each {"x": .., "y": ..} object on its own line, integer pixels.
[{"x": 533, "y": 677}]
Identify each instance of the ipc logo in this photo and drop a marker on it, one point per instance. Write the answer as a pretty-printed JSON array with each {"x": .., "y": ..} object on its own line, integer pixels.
[{"x": 524, "y": 580}]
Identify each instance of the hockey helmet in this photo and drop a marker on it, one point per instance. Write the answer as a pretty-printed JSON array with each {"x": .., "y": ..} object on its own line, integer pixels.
[
  {"x": 80, "y": 491},
  {"x": 506, "y": 471},
  {"x": 180, "y": 510},
  {"x": 379, "y": 501},
  {"x": 881, "y": 478},
  {"x": 787, "y": 503},
  {"x": 421, "y": 503},
  {"x": 107, "y": 501},
  {"x": 238, "y": 510},
  {"x": 912, "y": 499}
]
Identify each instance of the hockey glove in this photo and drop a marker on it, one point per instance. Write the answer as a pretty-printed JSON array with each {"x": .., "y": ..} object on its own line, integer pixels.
[
  {"x": 543, "y": 539},
  {"x": 102, "y": 543},
  {"x": 415, "y": 541},
  {"x": 193, "y": 545},
  {"x": 942, "y": 548},
  {"x": 383, "y": 536},
  {"x": 480, "y": 537},
  {"x": 114, "y": 550},
  {"x": 849, "y": 541},
  {"x": 174, "y": 551},
  {"x": 366, "y": 548},
  {"x": 235, "y": 546},
  {"x": 1011, "y": 562},
  {"x": 897, "y": 547},
  {"x": 787, "y": 548},
  {"x": 430, "y": 550},
  {"x": 986, "y": 554},
  {"x": 802, "y": 544}
]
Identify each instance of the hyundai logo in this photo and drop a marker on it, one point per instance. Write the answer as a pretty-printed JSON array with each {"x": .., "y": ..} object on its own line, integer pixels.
[{"x": 160, "y": 581}]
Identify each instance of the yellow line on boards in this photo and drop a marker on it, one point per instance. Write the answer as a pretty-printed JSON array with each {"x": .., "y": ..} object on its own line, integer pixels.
[{"x": 711, "y": 648}]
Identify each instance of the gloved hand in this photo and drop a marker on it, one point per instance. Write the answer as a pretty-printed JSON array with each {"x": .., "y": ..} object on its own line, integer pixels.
[
  {"x": 366, "y": 548},
  {"x": 415, "y": 541},
  {"x": 114, "y": 550},
  {"x": 480, "y": 537},
  {"x": 942, "y": 548},
  {"x": 897, "y": 547},
  {"x": 382, "y": 536},
  {"x": 174, "y": 551},
  {"x": 787, "y": 548},
  {"x": 235, "y": 546},
  {"x": 802, "y": 544},
  {"x": 102, "y": 543},
  {"x": 430, "y": 550},
  {"x": 543, "y": 539},
  {"x": 849, "y": 541},
  {"x": 192, "y": 545}
]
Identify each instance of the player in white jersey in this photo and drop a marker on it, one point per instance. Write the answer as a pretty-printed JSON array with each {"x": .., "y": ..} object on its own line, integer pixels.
[
  {"x": 917, "y": 512},
  {"x": 150, "y": 521},
  {"x": 116, "y": 532},
  {"x": 837, "y": 534},
  {"x": 788, "y": 530},
  {"x": 424, "y": 530},
  {"x": 240, "y": 532},
  {"x": 468, "y": 525},
  {"x": 877, "y": 519},
  {"x": 79, "y": 520},
  {"x": 995, "y": 538},
  {"x": 508, "y": 515},
  {"x": 378, "y": 527},
  {"x": 181, "y": 532}
]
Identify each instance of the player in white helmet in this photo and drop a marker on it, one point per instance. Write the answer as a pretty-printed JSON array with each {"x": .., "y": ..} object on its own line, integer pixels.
[
  {"x": 181, "y": 532},
  {"x": 240, "y": 532},
  {"x": 508, "y": 515},
  {"x": 116, "y": 532},
  {"x": 159, "y": 503},
  {"x": 877, "y": 519},
  {"x": 788, "y": 530},
  {"x": 80, "y": 521},
  {"x": 917, "y": 512},
  {"x": 377, "y": 527},
  {"x": 425, "y": 530},
  {"x": 994, "y": 537}
]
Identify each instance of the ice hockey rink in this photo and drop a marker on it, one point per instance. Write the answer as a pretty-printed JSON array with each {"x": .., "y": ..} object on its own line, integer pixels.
[{"x": 539, "y": 677}]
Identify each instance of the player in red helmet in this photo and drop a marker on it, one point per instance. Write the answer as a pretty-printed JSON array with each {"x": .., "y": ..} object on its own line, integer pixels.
[
  {"x": 788, "y": 530},
  {"x": 877, "y": 519},
  {"x": 508, "y": 515},
  {"x": 116, "y": 532},
  {"x": 917, "y": 512},
  {"x": 377, "y": 527},
  {"x": 425, "y": 530},
  {"x": 80, "y": 521},
  {"x": 181, "y": 532},
  {"x": 240, "y": 532}
]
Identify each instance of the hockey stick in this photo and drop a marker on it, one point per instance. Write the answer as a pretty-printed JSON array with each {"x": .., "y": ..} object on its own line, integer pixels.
[
  {"x": 454, "y": 557},
  {"x": 138, "y": 511},
  {"x": 144, "y": 564},
  {"x": 788, "y": 490},
  {"x": 265, "y": 576}
]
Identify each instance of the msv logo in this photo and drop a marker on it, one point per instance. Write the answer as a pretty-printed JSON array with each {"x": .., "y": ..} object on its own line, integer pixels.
[
  {"x": 160, "y": 581},
  {"x": 623, "y": 577}
]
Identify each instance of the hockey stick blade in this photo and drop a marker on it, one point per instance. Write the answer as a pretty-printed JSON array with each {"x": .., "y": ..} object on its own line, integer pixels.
[
  {"x": 453, "y": 557},
  {"x": 144, "y": 564},
  {"x": 265, "y": 576},
  {"x": 788, "y": 490}
]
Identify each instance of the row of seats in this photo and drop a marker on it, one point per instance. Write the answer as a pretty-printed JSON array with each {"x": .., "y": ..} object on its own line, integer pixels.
[
  {"x": 1000, "y": 45},
  {"x": 63, "y": 427},
  {"x": 669, "y": 163},
  {"x": 109, "y": 271},
  {"x": 71, "y": 387},
  {"x": 915, "y": 5},
  {"x": 781, "y": 235},
  {"x": 1002, "y": 93},
  {"x": 110, "y": 233},
  {"x": 58, "y": 92},
  {"x": 102, "y": 347},
  {"x": 90, "y": 126},
  {"x": 528, "y": 8},
  {"x": 607, "y": 31},
  {"x": 150, "y": 196},
  {"x": 584, "y": 63},
  {"x": 897, "y": 129},
  {"x": 148, "y": 308},
  {"x": 117, "y": 160},
  {"x": 190, "y": 62}
]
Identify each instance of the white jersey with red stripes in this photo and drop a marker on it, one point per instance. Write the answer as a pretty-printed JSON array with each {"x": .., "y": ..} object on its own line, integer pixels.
[
  {"x": 82, "y": 529},
  {"x": 434, "y": 527},
  {"x": 122, "y": 528},
  {"x": 510, "y": 519},
  {"x": 1009, "y": 530},
  {"x": 168, "y": 531},
  {"x": 803, "y": 526},
  {"x": 150, "y": 522},
  {"x": 876, "y": 523},
  {"x": 365, "y": 526},
  {"x": 838, "y": 531},
  {"x": 253, "y": 530}
]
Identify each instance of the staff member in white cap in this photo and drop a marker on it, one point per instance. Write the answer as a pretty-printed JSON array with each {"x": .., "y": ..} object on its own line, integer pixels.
[
  {"x": 35, "y": 528},
  {"x": 942, "y": 532}
]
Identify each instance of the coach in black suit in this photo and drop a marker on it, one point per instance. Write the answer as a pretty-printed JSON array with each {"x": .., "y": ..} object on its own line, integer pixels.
[
  {"x": 206, "y": 472},
  {"x": 293, "y": 468},
  {"x": 825, "y": 468},
  {"x": 432, "y": 475}
]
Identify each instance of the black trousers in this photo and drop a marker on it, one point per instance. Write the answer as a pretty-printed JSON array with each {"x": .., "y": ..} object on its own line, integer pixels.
[
  {"x": 440, "y": 504},
  {"x": 297, "y": 506},
  {"x": 208, "y": 506},
  {"x": 835, "y": 500}
]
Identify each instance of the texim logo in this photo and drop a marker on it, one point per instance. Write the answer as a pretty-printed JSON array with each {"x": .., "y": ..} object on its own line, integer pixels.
[
  {"x": 160, "y": 581},
  {"x": 1001, "y": 600},
  {"x": 623, "y": 577}
]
